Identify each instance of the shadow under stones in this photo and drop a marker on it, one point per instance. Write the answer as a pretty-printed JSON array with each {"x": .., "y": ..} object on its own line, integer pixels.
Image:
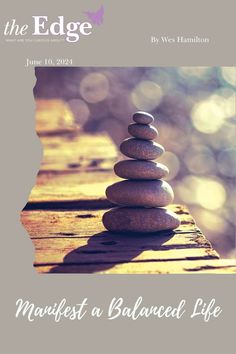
[{"x": 105, "y": 250}]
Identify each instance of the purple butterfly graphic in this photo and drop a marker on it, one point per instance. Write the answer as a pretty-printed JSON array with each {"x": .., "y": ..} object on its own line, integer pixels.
[{"x": 96, "y": 17}]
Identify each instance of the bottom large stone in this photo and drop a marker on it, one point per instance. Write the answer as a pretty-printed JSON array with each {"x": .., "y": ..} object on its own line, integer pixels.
[{"x": 125, "y": 219}]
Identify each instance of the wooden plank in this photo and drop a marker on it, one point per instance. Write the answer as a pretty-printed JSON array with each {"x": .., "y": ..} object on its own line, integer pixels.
[
  {"x": 70, "y": 251},
  {"x": 206, "y": 266},
  {"x": 80, "y": 238},
  {"x": 84, "y": 223},
  {"x": 108, "y": 242},
  {"x": 81, "y": 187}
]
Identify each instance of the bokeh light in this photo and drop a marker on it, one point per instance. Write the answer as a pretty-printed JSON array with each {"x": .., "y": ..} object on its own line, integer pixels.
[
  {"x": 197, "y": 71},
  {"x": 209, "y": 115},
  {"x": 200, "y": 159},
  {"x": 229, "y": 74},
  {"x": 210, "y": 193},
  {"x": 226, "y": 160},
  {"x": 172, "y": 162},
  {"x": 186, "y": 189},
  {"x": 94, "y": 87},
  {"x": 207, "y": 192},
  {"x": 80, "y": 110},
  {"x": 121, "y": 103},
  {"x": 211, "y": 220},
  {"x": 162, "y": 77},
  {"x": 147, "y": 95}
]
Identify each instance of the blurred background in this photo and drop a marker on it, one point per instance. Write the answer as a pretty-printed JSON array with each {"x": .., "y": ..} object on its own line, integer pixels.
[{"x": 195, "y": 111}]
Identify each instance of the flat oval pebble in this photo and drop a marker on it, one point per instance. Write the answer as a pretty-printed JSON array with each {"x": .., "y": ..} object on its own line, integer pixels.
[
  {"x": 142, "y": 131},
  {"x": 141, "y": 149},
  {"x": 140, "y": 220},
  {"x": 138, "y": 169},
  {"x": 140, "y": 193},
  {"x": 143, "y": 117}
]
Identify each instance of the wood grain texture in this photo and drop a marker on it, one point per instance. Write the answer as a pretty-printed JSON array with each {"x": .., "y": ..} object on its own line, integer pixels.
[
  {"x": 78, "y": 239},
  {"x": 84, "y": 223},
  {"x": 205, "y": 266}
]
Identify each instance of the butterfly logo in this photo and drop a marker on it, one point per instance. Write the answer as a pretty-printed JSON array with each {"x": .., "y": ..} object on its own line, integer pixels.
[{"x": 96, "y": 17}]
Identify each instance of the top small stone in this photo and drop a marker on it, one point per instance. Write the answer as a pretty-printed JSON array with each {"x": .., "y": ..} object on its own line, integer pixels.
[{"x": 143, "y": 117}]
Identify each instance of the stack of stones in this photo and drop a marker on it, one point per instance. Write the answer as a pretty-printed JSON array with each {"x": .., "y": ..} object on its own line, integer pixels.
[{"x": 142, "y": 196}]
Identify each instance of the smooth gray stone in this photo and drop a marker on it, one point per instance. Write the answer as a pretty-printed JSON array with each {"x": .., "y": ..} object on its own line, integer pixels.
[
  {"x": 155, "y": 193},
  {"x": 141, "y": 149},
  {"x": 138, "y": 169},
  {"x": 143, "y": 117},
  {"x": 140, "y": 220},
  {"x": 142, "y": 131}
]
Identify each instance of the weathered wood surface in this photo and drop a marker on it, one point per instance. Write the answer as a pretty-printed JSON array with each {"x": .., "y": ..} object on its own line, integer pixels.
[
  {"x": 63, "y": 219},
  {"x": 209, "y": 266},
  {"x": 83, "y": 223}
]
